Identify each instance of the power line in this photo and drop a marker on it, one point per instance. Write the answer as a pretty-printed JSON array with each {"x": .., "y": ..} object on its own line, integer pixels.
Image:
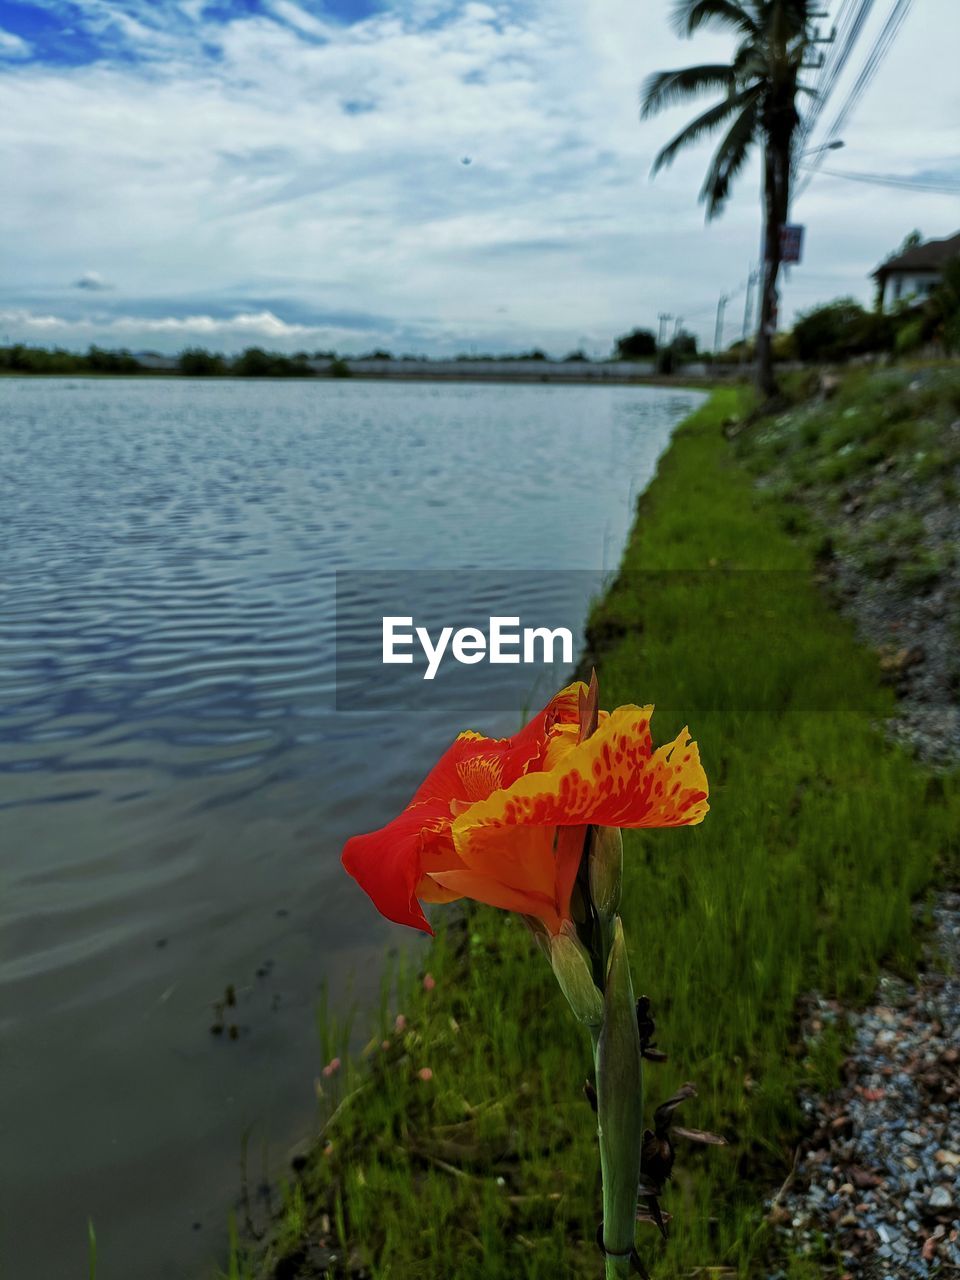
[
  {"x": 880, "y": 49},
  {"x": 892, "y": 180},
  {"x": 851, "y": 18},
  {"x": 881, "y": 46}
]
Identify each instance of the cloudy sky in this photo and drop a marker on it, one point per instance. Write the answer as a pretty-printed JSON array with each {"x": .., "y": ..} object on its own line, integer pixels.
[{"x": 294, "y": 173}]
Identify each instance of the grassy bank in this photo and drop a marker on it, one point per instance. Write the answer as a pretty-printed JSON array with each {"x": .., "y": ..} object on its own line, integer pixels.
[{"x": 460, "y": 1145}]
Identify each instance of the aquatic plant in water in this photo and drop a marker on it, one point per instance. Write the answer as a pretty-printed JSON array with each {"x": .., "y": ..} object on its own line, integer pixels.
[{"x": 531, "y": 824}]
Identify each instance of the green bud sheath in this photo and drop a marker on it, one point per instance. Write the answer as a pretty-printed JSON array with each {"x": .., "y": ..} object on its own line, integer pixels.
[
  {"x": 619, "y": 1108},
  {"x": 606, "y": 870},
  {"x": 571, "y": 964}
]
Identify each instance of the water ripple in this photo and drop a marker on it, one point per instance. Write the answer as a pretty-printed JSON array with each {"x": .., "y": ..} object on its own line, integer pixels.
[{"x": 175, "y": 781}]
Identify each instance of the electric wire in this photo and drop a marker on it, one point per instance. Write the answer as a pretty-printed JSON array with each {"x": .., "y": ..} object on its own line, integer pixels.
[{"x": 879, "y": 50}]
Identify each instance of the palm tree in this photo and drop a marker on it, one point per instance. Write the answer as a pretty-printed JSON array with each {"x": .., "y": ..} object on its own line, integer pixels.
[{"x": 760, "y": 87}]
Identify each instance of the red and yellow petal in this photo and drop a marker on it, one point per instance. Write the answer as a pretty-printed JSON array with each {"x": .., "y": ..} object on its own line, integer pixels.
[
  {"x": 519, "y": 860},
  {"x": 613, "y": 779},
  {"x": 388, "y": 864},
  {"x": 474, "y": 766},
  {"x": 502, "y": 821},
  {"x": 495, "y": 893}
]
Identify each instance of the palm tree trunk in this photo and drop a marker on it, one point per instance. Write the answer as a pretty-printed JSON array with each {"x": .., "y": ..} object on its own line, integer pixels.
[
  {"x": 766, "y": 378},
  {"x": 776, "y": 199}
]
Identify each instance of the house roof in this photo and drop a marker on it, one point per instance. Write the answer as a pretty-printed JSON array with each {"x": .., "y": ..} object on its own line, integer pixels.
[{"x": 930, "y": 256}]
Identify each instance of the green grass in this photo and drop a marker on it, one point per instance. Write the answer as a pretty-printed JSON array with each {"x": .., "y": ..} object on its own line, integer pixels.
[
  {"x": 820, "y": 837},
  {"x": 883, "y": 430}
]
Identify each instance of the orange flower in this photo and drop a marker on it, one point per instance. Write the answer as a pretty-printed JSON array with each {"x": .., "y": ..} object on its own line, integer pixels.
[{"x": 502, "y": 820}]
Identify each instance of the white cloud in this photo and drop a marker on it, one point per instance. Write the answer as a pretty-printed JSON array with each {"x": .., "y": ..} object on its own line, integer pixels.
[
  {"x": 300, "y": 176},
  {"x": 234, "y": 331},
  {"x": 263, "y": 324},
  {"x": 13, "y": 46},
  {"x": 299, "y": 18}
]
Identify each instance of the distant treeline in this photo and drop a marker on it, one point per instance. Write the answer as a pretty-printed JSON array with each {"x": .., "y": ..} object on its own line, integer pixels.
[
  {"x": 194, "y": 362},
  {"x": 197, "y": 362},
  {"x": 255, "y": 362},
  {"x": 23, "y": 359}
]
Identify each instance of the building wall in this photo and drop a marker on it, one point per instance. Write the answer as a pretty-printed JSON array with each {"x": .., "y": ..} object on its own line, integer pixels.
[{"x": 903, "y": 286}]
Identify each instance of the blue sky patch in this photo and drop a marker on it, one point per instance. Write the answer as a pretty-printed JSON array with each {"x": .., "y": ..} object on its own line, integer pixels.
[
  {"x": 63, "y": 33},
  {"x": 347, "y": 11},
  {"x": 52, "y": 37}
]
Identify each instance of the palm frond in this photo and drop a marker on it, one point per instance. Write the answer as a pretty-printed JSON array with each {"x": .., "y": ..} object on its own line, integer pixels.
[
  {"x": 690, "y": 15},
  {"x": 664, "y": 89},
  {"x": 695, "y": 130},
  {"x": 749, "y": 62},
  {"x": 731, "y": 155}
]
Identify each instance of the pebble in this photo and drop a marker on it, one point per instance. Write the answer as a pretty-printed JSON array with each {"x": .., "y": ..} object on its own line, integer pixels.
[{"x": 874, "y": 1177}]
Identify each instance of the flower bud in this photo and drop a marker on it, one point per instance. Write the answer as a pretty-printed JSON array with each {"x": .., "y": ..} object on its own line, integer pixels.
[
  {"x": 571, "y": 964},
  {"x": 606, "y": 870}
]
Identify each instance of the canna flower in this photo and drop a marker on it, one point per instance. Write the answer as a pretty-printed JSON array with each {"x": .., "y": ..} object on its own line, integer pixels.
[{"x": 502, "y": 821}]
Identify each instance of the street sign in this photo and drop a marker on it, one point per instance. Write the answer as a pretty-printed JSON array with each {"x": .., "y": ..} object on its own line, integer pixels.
[{"x": 791, "y": 242}]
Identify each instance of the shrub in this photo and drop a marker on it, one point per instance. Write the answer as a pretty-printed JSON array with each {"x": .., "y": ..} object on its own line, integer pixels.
[
  {"x": 841, "y": 329},
  {"x": 941, "y": 314},
  {"x": 784, "y": 346},
  {"x": 638, "y": 344},
  {"x": 257, "y": 363},
  {"x": 195, "y": 362},
  {"x": 100, "y": 361},
  {"x": 909, "y": 337},
  {"x": 684, "y": 345}
]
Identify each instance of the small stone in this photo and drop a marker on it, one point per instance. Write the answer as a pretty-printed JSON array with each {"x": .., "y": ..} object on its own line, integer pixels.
[
  {"x": 914, "y": 1139},
  {"x": 940, "y": 1198},
  {"x": 951, "y": 1158}
]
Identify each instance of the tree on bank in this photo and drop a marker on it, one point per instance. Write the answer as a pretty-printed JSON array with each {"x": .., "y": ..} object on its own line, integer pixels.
[
  {"x": 760, "y": 86},
  {"x": 639, "y": 344},
  {"x": 196, "y": 362}
]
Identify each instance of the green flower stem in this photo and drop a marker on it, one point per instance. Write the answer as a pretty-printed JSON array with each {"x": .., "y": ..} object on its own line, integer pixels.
[
  {"x": 619, "y": 1108},
  {"x": 595, "y": 978}
]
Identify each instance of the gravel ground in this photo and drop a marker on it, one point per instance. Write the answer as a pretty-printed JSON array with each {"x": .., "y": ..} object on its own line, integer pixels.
[
  {"x": 878, "y": 1177},
  {"x": 915, "y": 635},
  {"x": 912, "y": 623}
]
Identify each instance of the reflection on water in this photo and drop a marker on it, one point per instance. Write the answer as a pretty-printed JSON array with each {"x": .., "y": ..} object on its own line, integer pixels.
[{"x": 175, "y": 782}]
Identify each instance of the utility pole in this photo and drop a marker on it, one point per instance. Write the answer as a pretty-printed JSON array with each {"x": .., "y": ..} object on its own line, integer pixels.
[
  {"x": 664, "y": 317},
  {"x": 818, "y": 58},
  {"x": 748, "y": 305},
  {"x": 718, "y": 332},
  {"x": 676, "y": 328}
]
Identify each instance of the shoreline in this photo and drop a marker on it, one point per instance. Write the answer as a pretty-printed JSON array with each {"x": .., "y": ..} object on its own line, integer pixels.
[
  {"x": 480, "y": 1171},
  {"x": 677, "y": 380}
]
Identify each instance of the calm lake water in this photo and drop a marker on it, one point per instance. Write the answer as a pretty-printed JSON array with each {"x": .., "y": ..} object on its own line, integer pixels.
[{"x": 175, "y": 781}]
